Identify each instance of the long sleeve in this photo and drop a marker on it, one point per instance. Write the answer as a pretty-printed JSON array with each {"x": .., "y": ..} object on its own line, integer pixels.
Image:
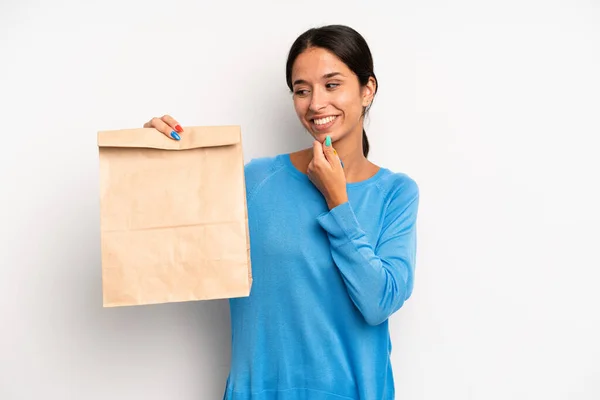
[{"x": 379, "y": 277}]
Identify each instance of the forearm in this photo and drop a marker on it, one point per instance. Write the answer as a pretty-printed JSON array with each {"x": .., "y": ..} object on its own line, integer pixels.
[{"x": 377, "y": 283}]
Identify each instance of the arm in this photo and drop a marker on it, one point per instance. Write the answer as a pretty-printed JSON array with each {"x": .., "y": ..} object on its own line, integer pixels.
[{"x": 379, "y": 278}]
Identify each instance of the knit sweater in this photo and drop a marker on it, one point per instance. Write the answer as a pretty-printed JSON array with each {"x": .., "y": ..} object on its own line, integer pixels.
[{"x": 325, "y": 282}]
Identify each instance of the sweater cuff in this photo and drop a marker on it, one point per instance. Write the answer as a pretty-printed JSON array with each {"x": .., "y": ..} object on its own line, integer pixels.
[{"x": 340, "y": 222}]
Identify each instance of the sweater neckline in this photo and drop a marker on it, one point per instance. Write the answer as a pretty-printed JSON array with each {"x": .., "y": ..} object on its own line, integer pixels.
[{"x": 301, "y": 175}]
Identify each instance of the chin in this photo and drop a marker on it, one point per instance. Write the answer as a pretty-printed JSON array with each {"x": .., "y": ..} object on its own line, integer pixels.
[{"x": 320, "y": 136}]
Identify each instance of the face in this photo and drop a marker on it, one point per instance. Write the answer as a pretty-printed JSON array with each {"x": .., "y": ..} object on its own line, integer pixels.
[{"x": 328, "y": 97}]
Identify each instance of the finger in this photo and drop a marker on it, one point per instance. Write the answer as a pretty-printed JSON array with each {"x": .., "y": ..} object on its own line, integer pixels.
[
  {"x": 338, "y": 158},
  {"x": 318, "y": 155},
  {"x": 330, "y": 153},
  {"x": 165, "y": 129},
  {"x": 172, "y": 123},
  {"x": 310, "y": 169}
]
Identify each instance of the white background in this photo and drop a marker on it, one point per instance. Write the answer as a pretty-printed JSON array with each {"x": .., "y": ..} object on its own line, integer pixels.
[{"x": 492, "y": 107}]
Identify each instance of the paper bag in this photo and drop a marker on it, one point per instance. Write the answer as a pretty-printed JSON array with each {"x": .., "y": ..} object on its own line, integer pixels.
[{"x": 173, "y": 216}]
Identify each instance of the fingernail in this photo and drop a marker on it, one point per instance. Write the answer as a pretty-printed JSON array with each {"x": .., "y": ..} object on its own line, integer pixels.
[
  {"x": 328, "y": 141},
  {"x": 335, "y": 152},
  {"x": 342, "y": 163},
  {"x": 175, "y": 136},
  {"x": 178, "y": 128}
]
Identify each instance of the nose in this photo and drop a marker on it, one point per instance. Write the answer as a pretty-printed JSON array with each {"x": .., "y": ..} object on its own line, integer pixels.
[{"x": 318, "y": 100}]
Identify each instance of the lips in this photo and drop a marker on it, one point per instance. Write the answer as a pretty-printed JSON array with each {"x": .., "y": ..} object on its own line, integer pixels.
[{"x": 323, "y": 123}]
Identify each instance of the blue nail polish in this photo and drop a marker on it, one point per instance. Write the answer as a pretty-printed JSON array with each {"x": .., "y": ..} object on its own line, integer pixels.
[
  {"x": 175, "y": 136},
  {"x": 328, "y": 141},
  {"x": 342, "y": 163}
]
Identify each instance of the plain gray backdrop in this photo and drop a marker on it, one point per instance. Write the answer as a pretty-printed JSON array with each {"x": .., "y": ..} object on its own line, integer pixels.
[{"x": 492, "y": 107}]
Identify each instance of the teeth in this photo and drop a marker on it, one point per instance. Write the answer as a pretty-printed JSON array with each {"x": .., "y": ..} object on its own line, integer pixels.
[{"x": 324, "y": 120}]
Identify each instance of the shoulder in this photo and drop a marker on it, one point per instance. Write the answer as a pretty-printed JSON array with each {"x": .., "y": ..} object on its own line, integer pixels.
[
  {"x": 398, "y": 185},
  {"x": 260, "y": 165},
  {"x": 259, "y": 170},
  {"x": 401, "y": 192}
]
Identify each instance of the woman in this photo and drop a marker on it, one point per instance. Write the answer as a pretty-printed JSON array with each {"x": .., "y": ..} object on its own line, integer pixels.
[{"x": 332, "y": 244}]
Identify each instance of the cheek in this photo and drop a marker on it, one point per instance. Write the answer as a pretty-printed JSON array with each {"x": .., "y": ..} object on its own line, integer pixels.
[
  {"x": 301, "y": 107},
  {"x": 350, "y": 103}
]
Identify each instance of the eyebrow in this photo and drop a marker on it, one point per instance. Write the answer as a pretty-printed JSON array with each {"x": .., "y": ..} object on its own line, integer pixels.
[{"x": 326, "y": 76}]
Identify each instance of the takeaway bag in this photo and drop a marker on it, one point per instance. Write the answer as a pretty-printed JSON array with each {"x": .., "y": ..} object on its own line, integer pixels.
[{"x": 173, "y": 216}]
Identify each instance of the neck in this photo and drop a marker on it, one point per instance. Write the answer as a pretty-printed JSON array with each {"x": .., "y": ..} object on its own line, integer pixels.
[{"x": 350, "y": 151}]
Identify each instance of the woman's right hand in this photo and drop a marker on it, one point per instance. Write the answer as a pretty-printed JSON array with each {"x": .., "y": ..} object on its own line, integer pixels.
[{"x": 167, "y": 125}]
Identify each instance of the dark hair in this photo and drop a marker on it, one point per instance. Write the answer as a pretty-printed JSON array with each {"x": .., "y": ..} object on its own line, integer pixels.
[{"x": 348, "y": 45}]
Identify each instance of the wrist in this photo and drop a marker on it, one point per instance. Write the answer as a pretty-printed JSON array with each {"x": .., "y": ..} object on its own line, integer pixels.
[{"x": 334, "y": 201}]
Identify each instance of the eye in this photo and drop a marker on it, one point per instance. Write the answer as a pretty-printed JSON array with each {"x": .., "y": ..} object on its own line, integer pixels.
[
  {"x": 301, "y": 92},
  {"x": 332, "y": 85}
]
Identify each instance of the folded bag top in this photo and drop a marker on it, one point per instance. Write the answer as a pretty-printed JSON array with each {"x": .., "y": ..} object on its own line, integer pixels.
[{"x": 193, "y": 137}]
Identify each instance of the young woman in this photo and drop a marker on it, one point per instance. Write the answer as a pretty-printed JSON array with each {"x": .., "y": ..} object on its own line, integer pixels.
[{"x": 333, "y": 241}]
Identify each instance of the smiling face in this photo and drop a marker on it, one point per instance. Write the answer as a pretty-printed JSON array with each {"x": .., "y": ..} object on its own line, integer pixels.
[{"x": 328, "y": 97}]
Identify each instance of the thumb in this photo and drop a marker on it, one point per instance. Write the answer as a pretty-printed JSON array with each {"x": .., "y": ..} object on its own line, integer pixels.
[{"x": 318, "y": 151}]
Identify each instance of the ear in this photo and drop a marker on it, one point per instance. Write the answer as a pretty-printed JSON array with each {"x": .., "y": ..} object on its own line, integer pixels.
[{"x": 369, "y": 92}]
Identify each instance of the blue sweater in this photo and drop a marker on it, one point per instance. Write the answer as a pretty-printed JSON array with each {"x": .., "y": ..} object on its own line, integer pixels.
[{"x": 315, "y": 326}]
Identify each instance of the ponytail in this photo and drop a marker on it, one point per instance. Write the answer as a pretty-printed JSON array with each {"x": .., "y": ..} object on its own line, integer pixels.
[{"x": 365, "y": 143}]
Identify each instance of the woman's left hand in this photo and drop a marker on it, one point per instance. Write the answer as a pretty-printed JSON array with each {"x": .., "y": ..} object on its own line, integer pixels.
[{"x": 326, "y": 172}]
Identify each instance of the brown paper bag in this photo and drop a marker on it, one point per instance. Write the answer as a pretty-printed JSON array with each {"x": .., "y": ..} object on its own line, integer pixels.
[{"x": 173, "y": 216}]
